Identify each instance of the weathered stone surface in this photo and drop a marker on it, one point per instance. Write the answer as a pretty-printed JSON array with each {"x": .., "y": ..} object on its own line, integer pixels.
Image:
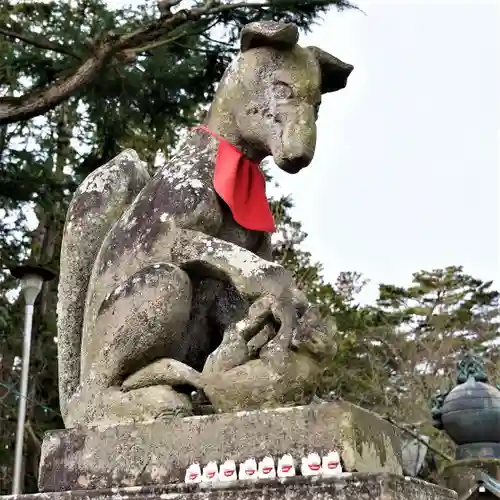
[
  {"x": 160, "y": 452},
  {"x": 349, "y": 487},
  {"x": 461, "y": 475},
  {"x": 157, "y": 271},
  {"x": 99, "y": 200}
]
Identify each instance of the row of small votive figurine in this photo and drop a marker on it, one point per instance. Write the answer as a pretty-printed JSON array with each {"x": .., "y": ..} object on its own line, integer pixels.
[{"x": 311, "y": 465}]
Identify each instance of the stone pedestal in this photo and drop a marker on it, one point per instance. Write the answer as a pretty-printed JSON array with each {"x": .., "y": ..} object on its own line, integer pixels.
[
  {"x": 461, "y": 475},
  {"x": 148, "y": 461},
  {"x": 349, "y": 487},
  {"x": 159, "y": 452}
]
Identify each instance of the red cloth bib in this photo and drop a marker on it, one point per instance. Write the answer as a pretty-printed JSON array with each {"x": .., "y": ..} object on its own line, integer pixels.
[{"x": 241, "y": 184}]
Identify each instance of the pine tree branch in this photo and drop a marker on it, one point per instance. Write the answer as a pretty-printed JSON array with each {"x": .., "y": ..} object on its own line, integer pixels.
[
  {"x": 39, "y": 42},
  {"x": 122, "y": 50},
  {"x": 171, "y": 40},
  {"x": 220, "y": 42},
  {"x": 38, "y": 102}
]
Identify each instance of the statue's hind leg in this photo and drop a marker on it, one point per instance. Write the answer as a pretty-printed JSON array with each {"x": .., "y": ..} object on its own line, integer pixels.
[{"x": 142, "y": 320}]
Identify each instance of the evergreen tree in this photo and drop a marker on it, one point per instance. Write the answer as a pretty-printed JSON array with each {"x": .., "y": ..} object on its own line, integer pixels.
[{"x": 442, "y": 314}]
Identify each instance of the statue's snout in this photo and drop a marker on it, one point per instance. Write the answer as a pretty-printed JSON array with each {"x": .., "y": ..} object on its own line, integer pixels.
[{"x": 294, "y": 150}]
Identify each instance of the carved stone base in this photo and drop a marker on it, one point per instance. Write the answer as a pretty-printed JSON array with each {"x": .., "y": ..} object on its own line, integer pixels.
[
  {"x": 461, "y": 475},
  {"x": 349, "y": 487},
  {"x": 159, "y": 452}
]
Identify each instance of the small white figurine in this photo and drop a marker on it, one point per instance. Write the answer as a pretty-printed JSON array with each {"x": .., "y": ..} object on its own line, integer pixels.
[
  {"x": 193, "y": 474},
  {"x": 331, "y": 465},
  {"x": 266, "y": 468},
  {"x": 286, "y": 466},
  {"x": 248, "y": 469},
  {"x": 311, "y": 465},
  {"x": 228, "y": 471},
  {"x": 210, "y": 472}
]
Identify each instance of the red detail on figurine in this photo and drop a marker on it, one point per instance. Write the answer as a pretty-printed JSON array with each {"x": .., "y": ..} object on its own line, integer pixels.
[{"x": 241, "y": 184}]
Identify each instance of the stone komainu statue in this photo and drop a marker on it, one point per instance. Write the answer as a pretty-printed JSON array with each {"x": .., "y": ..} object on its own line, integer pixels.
[{"x": 167, "y": 282}]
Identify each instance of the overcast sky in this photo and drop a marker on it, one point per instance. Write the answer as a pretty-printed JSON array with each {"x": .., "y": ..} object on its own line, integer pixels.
[
  {"x": 405, "y": 175},
  {"x": 406, "y": 171}
]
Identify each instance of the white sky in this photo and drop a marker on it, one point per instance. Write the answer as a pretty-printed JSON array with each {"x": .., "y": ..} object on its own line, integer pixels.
[
  {"x": 405, "y": 175},
  {"x": 406, "y": 171}
]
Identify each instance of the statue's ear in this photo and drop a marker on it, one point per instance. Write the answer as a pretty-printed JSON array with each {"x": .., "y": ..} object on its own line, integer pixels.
[
  {"x": 334, "y": 72},
  {"x": 268, "y": 34}
]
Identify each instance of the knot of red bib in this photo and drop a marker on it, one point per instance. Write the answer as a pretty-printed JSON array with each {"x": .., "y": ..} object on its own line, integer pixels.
[{"x": 241, "y": 184}]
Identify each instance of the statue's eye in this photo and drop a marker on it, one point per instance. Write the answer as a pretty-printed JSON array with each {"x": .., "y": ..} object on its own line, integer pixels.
[{"x": 282, "y": 90}]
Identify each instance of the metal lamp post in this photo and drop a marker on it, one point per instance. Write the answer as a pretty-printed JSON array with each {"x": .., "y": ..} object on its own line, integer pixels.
[{"x": 31, "y": 278}]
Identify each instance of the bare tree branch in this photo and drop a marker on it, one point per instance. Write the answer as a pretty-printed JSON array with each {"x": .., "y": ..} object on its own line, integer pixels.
[
  {"x": 32, "y": 434},
  {"x": 164, "y": 6}
]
